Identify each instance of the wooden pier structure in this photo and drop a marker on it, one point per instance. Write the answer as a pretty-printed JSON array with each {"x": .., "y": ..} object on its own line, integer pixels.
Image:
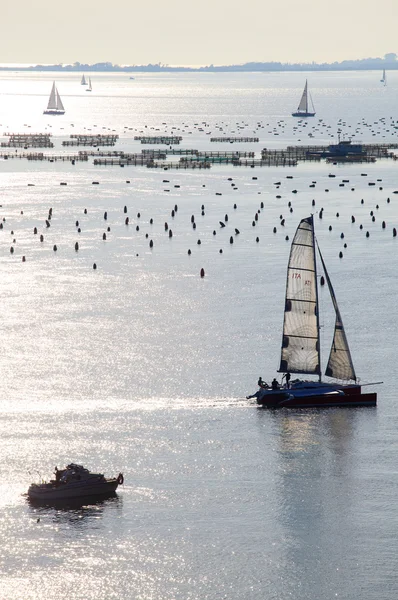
[
  {"x": 28, "y": 140},
  {"x": 91, "y": 140},
  {"x": 334, "y": 153},
  {"x": 235, "y": 139},
  {"x": 188, "y": 164},
  {"x": 42, "y": 156},
  {"x": 159, "y": 139}
]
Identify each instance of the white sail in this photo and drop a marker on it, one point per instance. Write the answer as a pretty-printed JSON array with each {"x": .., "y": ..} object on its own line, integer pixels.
[
  {"x": 303, "y": 106},
  {"x": 83, "y": 82},
  {"x": 340, "y": 362},
  {"x": 300, "y": 341},
  {"x": 89, "y": 85},
  {"x": 52, "y": 102},
  {"x": 59, "y": 105}
]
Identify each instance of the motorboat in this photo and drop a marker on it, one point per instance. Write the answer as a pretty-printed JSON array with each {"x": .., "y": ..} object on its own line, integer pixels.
[{"x": 75, "y": 481}]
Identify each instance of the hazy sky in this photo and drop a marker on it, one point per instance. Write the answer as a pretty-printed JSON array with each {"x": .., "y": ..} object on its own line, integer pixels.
[{"x": 196, "y": 31}]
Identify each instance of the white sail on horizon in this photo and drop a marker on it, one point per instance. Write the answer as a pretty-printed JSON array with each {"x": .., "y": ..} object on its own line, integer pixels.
[
  {"x": 303, "y": 106},
  {"x": 52, "y": 101},
  {"x": 55, "y": 105}
]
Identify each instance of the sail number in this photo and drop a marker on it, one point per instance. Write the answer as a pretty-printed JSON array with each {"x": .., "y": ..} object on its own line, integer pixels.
[{"x": 298, "y": 276}]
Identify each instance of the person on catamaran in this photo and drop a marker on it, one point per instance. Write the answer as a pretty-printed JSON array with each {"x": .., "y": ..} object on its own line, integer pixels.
[
  {"x": 287, "y": 379},
  {"x": 261, "y": 383},
  {"x": 275, "y": 384}
]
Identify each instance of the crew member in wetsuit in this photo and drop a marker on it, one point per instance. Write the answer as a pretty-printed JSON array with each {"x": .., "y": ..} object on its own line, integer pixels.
[{"x": 275, "y": 384}]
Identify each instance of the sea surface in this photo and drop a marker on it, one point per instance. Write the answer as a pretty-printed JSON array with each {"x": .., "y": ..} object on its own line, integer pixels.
[{"x": 141, "y": 366}]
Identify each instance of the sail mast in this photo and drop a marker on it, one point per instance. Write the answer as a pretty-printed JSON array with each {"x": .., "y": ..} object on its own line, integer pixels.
[{"x": 317, "y": 301}]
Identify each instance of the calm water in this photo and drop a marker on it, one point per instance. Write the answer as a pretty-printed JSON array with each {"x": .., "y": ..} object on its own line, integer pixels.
[{"x": 143, "y": 367}]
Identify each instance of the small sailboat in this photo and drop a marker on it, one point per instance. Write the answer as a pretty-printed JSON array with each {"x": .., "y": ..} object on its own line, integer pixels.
[
  {"x": 83, "y": 81},
  {"x": 89, "y": 89},
  {"x": 55, "y": 106},
  {"x": 300, "y": 351},
  {"x": 383, "y": 78},
  {"x": 303, "y": 107}
]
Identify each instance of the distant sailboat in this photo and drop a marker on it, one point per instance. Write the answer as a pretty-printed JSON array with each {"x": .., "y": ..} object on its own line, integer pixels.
[
  {"x": 302, "y": 110},
  {"x": 55, "y": 106},
  {"x": 384, "y": 78},
  {"x": 83, "y": 81},
  {"x": 89, "y": 89}
]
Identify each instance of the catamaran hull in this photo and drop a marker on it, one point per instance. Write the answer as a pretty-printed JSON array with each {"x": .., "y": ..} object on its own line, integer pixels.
[
  {"x": 53, "y": 112},
  {"x": 341, "y": 398}
]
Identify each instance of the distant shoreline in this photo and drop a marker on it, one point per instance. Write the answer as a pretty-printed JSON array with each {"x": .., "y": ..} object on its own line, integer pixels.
[{"x": 368, "y": 64}]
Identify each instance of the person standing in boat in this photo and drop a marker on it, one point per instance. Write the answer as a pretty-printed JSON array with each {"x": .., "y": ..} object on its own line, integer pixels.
[
  {"x": 57, "y": 474},
  {"x": 287, "y": 379}
]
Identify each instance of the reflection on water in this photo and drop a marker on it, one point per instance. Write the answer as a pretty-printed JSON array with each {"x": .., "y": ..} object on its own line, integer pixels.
[
  {"x": 76, "y": 511},
  {"x": 320, "y": 489}
]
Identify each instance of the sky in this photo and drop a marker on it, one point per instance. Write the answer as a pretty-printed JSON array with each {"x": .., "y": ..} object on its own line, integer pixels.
[{"x": 196, "y": 32}]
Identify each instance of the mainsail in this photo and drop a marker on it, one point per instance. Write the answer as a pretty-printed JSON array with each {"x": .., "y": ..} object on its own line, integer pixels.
[
  {"x": 83, "y": 81},
  {"x": 340, "y": 362},
  {"x": 300, "y": 341},
  {"x": 303, "y": 106},
  {"x": 52, "y": 102}
]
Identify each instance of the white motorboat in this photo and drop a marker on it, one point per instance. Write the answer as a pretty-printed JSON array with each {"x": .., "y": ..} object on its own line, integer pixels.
[{"x": 73, "y": 482}]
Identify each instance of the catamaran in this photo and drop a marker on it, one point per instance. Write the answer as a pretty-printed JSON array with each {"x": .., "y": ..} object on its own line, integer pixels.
[
  {"x": 303, "y": 107},
  {"x": 384, "y": 78},
  {"x": 55, "y": 106},
  {"x": 89, "y": 89},
  {"x": 300, "y": 351},
  {"x": 83, "y": 81}
]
